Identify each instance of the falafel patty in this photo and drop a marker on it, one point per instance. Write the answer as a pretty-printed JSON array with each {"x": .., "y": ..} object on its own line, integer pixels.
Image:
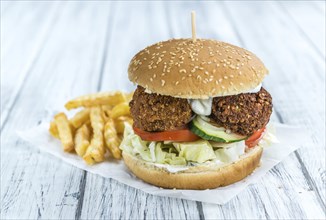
[
  {"x": 244, "y": 113},
  {"x": 154, "y": 112}
]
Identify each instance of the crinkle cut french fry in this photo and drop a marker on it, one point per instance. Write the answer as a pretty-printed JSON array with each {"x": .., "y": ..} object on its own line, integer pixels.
[
  {"x": 80, "y": 118},
  {"x": 102, "y": 98},
  {"x": 111, "y": 139},
  {"x": 53, "y": 130},
  {"x": 65, "y": 131},
  {"x": 120, "y": 110},
  {"x": 120, "y": 123},
  {"x": 95, "y": 152},
  {"x": 82, "y": 139},
  {"x": 105, "y": 116},
  {"x": 106, "y": 108}
]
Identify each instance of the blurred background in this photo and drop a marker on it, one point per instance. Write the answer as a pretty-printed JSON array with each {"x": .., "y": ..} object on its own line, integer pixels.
[{"x": 52, "y": 51}]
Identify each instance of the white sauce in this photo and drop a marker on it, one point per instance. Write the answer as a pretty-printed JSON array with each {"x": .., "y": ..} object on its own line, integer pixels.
[
  {"x": 171, "y": 168},
  {"x": 148, "y": 91},
  {"x": 204, "y": 106},
  {"x": 201, "y": 106},
  {"x": 255, "y": 89}
]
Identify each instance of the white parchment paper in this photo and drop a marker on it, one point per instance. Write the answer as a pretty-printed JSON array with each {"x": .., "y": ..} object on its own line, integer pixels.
[{"x": 290, "y": 139}]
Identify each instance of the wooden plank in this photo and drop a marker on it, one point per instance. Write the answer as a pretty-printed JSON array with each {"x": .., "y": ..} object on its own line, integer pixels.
[
  {"x": 33, "y": 184},
  {"x": 106, "y": 198},
  {"x": 310, "y": 22},
  {"x": 19, "y": 54}
]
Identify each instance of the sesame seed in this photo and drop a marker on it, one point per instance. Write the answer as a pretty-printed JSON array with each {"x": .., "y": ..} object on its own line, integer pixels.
[
  {"x": 182, "y": 71},
  {"x": 154, "y": 76},
  {"x": 183, "y": 78},
  {"x": 159, "y": 60},
  {"x": 177, "y": 82},
  {"x": 225, "y": 77},
  {"x": 206, "y": 72},
  {"x": 162, "y": 82},
  {"x": 151, "y": 79}
]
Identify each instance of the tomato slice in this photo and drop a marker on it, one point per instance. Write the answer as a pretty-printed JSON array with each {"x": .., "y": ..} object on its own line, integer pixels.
[
  {"x": 183, "y": 134},
  {"x": 254, "y": 139}
]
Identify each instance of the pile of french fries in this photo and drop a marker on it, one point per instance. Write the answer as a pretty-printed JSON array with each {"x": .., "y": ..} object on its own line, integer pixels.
[{"x": 96, "y": 128}]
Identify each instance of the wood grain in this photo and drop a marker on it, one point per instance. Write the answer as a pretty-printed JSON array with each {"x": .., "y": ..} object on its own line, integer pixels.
[
  {"x": 19, "y": 55},
  {"x": 65, "y": 68},
  {"x": 53, "y": 51}
]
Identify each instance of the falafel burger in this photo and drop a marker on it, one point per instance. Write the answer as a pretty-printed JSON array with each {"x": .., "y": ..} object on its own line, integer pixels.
[{"x": 199, "y": 113}]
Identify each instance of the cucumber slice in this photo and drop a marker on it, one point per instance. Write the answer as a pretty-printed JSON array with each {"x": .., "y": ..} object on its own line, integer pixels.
[{"x": 207, "y": 131}]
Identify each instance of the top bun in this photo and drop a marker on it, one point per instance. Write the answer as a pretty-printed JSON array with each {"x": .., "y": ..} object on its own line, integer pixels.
[{"x": 196, "y": 70}]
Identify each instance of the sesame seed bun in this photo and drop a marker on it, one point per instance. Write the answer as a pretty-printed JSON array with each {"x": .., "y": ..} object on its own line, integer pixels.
[
  {"x": 198, "y": 177},
  {"x": 205, "y": 68}
]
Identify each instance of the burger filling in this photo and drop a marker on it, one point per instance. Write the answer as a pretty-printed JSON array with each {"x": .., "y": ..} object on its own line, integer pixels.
[
  {"x": 176, "y": 131},
  {"x": 154, "y": 112}
]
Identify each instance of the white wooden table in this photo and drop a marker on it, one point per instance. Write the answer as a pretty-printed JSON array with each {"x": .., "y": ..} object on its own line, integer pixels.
[{"x": 53, "y": 51}]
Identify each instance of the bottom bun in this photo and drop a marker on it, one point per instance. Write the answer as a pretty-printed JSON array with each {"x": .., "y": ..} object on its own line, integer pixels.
[{"x": 195, "y": 177}]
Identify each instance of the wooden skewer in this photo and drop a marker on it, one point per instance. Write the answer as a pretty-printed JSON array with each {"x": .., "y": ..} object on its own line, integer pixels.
[{"x": 193, "y": 25}]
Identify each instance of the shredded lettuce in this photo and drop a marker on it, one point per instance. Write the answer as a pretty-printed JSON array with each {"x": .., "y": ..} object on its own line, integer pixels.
[
  {"x": 173, "y": 159},
  {"x": 179, "y": 153},
  {"x": 269, "y": 136},
  {"x": 198, "y": 151},
  {"x": 231, "y": 153}
]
